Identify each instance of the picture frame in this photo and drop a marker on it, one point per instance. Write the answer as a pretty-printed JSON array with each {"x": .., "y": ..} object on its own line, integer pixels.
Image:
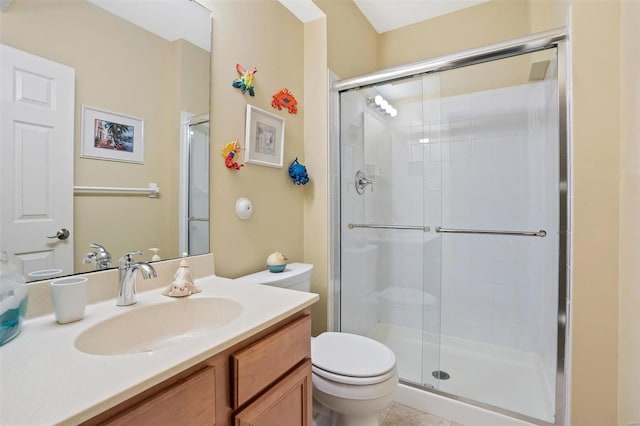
[
  {"x": 264, "y": 138},
  {"x": 111, "y": 136}
]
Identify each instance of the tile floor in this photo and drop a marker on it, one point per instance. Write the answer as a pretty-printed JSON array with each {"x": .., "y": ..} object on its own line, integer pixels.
[{"x": 401, "y": 415}]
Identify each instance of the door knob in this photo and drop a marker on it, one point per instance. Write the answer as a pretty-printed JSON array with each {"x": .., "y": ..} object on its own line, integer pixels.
[{"x": 62, "y": 234}]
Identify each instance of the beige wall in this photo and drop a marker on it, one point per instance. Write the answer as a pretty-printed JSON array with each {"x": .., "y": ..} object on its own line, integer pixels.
[
  {"x": 629, "y": 290},
  {"x": 480, "y": 25},
  {"x": 316, "y": 220},
  {"x": 194, "y": 70},
  {"x": 122, "y": 69},
  {"x": 596, "y": 136},
  {"x": 262, "y": 34},
  {"x": 352, "y": 43}
]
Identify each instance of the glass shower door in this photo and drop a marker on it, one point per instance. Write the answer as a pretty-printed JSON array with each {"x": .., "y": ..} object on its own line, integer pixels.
[
  {"x": 384, "y": 234},
  {"x": 498, "y": 138},
  {"x": 449, "y": 228}
]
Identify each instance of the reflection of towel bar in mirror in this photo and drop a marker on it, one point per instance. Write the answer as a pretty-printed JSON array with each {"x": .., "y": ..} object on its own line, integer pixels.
[{"x": 153, "y": 190}]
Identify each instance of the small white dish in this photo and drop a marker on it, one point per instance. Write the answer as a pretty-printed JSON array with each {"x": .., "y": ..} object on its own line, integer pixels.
[{"x": 44, "y": 273}]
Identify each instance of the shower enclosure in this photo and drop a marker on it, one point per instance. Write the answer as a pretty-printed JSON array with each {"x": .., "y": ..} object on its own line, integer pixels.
[
  {"x": 452, "y": 194},
  {"x": 194, "y": 185}
]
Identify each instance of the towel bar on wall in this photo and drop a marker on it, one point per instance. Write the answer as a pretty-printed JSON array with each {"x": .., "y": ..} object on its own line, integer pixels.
[{"x": 153, "y": 190}]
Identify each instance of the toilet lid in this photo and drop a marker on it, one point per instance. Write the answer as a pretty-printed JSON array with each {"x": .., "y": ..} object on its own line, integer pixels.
[{"x": 351, "y": 355}]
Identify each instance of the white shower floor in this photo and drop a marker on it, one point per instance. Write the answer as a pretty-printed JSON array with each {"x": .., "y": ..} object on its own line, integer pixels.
[{"x": 503, "y": 377}]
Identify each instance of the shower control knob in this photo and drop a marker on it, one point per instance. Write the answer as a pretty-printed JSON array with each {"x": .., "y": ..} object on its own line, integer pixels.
[{"x": 361, "y": 182}]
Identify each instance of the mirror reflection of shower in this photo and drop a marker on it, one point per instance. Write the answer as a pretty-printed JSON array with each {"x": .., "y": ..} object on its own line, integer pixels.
[{"x": 194, "y": 185}]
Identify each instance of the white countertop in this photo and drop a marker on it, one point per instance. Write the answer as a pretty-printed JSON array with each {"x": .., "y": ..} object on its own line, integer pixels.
[{"x": 45, "y": 380}]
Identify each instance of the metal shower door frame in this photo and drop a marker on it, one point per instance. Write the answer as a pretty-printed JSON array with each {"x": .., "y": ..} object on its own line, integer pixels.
[{"x": 556, "y": 38}]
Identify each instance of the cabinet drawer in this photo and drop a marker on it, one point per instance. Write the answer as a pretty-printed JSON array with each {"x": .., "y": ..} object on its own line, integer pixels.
[
  {"x": 259, "y": 365},
  {"x": 287, "y": 403},
  {"x": 189, "y": 402}
]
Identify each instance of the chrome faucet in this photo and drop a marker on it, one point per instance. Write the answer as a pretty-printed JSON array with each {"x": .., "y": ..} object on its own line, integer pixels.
[
  {"x": 127, "y": 283},
  {"x": 101, "y": 257}
]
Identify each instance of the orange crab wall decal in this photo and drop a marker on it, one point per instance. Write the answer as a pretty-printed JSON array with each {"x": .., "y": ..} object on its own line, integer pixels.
[{"x": 284, "y": 98}]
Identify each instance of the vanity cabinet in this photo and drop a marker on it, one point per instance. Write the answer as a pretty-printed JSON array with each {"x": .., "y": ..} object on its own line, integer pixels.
[
  {"x": 263, "y": 380},
  {"x": 192, "y": 398},
  {"x": 267, "y": 364},
  {"x": 287, "y": 403}
]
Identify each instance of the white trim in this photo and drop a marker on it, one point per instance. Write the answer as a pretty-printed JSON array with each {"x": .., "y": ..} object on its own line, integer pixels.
[{"x": 183, "y": 181}]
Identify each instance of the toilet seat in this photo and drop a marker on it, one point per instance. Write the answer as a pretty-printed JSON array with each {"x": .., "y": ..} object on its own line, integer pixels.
[
  {"x": 349, "y": 380},
  {"x": 351, "y": 359}
]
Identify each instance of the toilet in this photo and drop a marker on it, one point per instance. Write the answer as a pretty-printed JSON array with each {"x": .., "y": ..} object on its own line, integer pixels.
[{"x": 354, "y": 378}]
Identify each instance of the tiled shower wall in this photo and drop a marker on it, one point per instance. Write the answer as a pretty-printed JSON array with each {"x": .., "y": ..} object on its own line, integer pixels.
[
  {"x": 490, "y": 162},
  {"x": 499, "y": 162}
]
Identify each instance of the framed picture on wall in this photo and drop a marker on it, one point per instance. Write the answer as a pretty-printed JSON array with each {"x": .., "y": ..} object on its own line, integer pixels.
[
  {"x": 111, "y": 136},
  {"x": 264, "y": 138}
]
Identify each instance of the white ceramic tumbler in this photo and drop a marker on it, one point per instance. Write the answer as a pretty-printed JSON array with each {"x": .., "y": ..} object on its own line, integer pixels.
[{"x": 69, "y": 298}]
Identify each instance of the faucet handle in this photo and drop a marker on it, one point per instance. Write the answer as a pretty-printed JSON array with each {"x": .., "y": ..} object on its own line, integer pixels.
[
  {"x": 127, "y": 259},
  {"x": 97, "y": 246}
]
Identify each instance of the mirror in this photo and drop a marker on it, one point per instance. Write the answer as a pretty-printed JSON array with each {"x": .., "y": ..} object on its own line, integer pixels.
[{"x": 139, "y": 81}]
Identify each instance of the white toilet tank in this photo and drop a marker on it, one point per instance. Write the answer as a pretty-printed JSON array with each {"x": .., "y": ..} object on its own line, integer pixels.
[{"x": 296, "y": 276}]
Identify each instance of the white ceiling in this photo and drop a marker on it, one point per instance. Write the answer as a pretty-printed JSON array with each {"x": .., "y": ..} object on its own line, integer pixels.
[
  {"x": 169, "y": 19},
  {"x": 387, "y": 15},
  {"x": 188, "y": 20}
]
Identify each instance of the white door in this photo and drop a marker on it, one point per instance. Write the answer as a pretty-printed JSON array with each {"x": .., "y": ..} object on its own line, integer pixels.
[{"x": 36, "y": 160}]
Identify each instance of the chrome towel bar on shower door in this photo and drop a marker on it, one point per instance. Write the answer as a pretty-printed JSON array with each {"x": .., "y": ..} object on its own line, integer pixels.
[
  {"x": 363, "y": 225},
  {"x": 540, "y": 233}
]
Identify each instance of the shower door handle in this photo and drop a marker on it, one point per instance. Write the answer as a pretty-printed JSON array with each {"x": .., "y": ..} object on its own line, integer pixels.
[{"x": 540, "y": 233}]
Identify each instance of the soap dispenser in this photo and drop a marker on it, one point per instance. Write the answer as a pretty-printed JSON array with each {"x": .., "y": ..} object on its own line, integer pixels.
[
  {"x": 182, "y": 284},
  {"x": 13, "y": 299}
]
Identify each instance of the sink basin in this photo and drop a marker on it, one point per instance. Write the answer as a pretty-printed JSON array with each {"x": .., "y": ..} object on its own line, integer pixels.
[{"x": 159, "y": 326}]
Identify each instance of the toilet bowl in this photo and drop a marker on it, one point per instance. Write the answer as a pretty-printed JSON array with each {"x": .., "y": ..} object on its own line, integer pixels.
[{"x": 354, "y": 377}]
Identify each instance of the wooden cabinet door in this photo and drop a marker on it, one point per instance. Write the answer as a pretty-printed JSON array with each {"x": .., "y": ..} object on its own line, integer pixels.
[
  {"x": 189, "y": 402},
  {"x": 287, "y": 403},
  {"x": 258, "y": 366}
]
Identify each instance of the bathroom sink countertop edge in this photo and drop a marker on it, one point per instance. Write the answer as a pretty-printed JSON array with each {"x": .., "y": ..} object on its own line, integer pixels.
[{"x": 45, "y": 379}]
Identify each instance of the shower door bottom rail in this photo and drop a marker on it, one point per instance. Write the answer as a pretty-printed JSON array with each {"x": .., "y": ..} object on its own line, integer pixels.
[
  {"x": 540, "y": 233},
  {"x": 408, "y": 227}
]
